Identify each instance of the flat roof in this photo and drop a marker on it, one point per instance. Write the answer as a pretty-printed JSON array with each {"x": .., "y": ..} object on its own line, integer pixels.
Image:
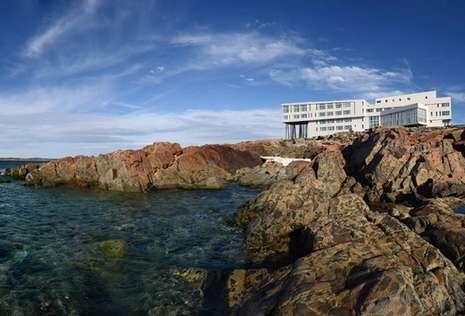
[
  {"x": 330, "y": 101},
  {"x": 406, "y": 95}
]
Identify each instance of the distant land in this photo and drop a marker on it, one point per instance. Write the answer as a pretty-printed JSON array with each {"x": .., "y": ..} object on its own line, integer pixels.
[{"x": 25, "y": 159}]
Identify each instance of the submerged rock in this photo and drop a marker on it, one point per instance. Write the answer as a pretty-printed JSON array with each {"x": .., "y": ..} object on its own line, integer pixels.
[{"x": 113, "y": 249}]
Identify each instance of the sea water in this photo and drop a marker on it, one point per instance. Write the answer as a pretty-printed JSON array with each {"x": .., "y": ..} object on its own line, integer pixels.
[{"x": 52, "y": 259}]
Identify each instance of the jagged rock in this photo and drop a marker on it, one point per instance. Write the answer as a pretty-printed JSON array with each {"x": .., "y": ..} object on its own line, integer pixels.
[
  {"x": 290, "y": 204},
  {"x": 207, "y": 166},
  {"x": 261, "y": 176},
  {"x": 297, "y": 148},
  {"x": 21, "y": 172},
  {"x": 397, "y": 163},
  {"x": 359, "y": 262},
  {"x": 437, "y": 223}
]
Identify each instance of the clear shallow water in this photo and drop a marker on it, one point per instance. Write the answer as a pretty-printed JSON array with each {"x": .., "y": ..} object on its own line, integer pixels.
[{"x": 52, "y": 258}]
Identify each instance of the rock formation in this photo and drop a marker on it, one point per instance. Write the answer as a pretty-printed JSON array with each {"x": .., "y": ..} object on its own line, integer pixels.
[
  {"x": 161, "y": 165},
  {"x": 367, "y": 226},
  {"x": 333, "y": 237}
]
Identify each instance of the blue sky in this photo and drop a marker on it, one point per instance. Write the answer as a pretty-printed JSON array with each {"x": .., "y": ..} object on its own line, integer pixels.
[{"x": 92, "y": 76}]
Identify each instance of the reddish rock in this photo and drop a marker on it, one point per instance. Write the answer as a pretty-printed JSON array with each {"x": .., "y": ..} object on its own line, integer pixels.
[{"x": 161, "y": 165}]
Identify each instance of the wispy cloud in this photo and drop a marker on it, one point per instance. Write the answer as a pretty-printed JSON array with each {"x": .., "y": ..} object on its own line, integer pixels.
[
  {"x": 57, "y": 134},
  {"x": 239, "y": 48},
  {"x": 458, "y": 96},
  {"x": 65, "y": 24},
  {"x": 345, "y": 78}
]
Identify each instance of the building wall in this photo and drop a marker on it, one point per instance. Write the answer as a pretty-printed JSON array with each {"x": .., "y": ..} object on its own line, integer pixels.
[{"x": 328, "y": 117}]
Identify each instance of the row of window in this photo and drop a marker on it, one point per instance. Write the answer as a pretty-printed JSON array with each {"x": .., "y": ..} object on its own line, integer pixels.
[
  {"x": 345, "y": 112},
  {"x": 318, "y": 106},
  {"x": 322, "y": 122},
  {"x": 440, "y": 113},
  {"x": 337, "y": 128}
]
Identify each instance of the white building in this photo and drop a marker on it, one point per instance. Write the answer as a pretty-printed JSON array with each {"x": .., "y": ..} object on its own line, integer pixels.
[{"x": 320, "y": 118}]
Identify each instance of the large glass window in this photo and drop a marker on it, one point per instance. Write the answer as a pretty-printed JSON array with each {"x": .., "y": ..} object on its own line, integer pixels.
[
  {"x": 330, "y": 113},
  {"x": 322, "y": 106},
  {"x": 295, "y": 108},
  {"x": 346, "y": 112},
  {"x": 303, "y": 107},
  {"x": 286, "y": 108},
  {"x": 373, "y": 122}
]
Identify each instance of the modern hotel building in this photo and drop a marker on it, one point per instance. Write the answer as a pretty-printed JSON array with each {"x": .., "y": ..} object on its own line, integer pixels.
[{"x": 320, "y": 118}]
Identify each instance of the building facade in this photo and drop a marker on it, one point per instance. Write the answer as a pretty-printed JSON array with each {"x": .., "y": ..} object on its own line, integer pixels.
[{"x": 310, "y": 119}]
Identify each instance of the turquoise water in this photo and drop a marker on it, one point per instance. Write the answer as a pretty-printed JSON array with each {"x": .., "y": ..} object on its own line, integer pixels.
[{"x": 53, "y": 262}]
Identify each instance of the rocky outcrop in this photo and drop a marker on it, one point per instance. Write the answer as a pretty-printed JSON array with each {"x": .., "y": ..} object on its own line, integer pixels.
[
  {"x": 338, "y": 256},
  {"x": 298, "y": 148},
  {"x": 437, "y": 222},
  {"x": 352, "y": 260},
  {"x": 21, "y": 172},
  {"x": 161, "y": 165},
  {"x": 398, "y": 164}
]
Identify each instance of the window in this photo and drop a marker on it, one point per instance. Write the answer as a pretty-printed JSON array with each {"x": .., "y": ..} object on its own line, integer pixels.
[
  {"x": 346, "y": 112},
  {"x": 321, "y": 114},
  {"x": 303, "y": 107},
  {"x": 295, "y": 108},
  {"x": 400, "y": 99},
  {"x": 303, "y": 115},
  {"x": 347, "y": 127},
  {"x": 286, "y": 108},
  {"x": 373, "y": 122},
  {"x": 378, "y": 110},
  {"x": 445, "y": 112},
  {"x": 348, "y": 120},
  {"x": 286, "y": 117},
  {"x": 385, "y": 101},
  {"x": 330, "y": 114},
  {"x": 378, "y": 101},
  {"x": 426, "y": 97},
  {"x": 431, "y": 113},
  {"x": 338, "y": 112},
  {"x": 296, "y": 116},
  {"x": 339, "y": 127},
  {"x": 445, "y": 105},
  {"x": 408, "y": 98},
  {"x": 338, "y": 105},
  {"x": 329, "y": 106},
  {"x": 369, "y": 110},
  {"x": 322, "y": 107},
  {"x": 330, "y": 128},
  {"x": 323, "y": 129},
  {"x": 346, "y": 104}
]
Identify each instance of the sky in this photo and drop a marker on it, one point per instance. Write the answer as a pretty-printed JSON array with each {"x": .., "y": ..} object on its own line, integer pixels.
[{"x": 93, "y": 76}]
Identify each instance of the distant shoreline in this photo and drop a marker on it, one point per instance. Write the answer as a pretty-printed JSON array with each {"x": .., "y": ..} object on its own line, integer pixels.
[{"x": 26, "y": 159}]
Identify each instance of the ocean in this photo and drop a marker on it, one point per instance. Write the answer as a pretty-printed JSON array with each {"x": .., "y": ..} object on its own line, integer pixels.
[{"x": 91, "y": 252}]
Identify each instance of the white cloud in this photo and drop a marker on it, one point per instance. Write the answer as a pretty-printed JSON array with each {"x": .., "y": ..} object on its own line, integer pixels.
[
  {"x": 59, "y": 134},
  {"x": 239, "y": 48},
  {"x": 348, "y": 78},
  {"x": 457, "y": 96},
  {"x": 67, "y": 23}
]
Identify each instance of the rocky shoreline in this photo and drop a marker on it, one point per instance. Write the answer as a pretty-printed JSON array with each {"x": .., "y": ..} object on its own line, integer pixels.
[{"x": 368, "y": 226}]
